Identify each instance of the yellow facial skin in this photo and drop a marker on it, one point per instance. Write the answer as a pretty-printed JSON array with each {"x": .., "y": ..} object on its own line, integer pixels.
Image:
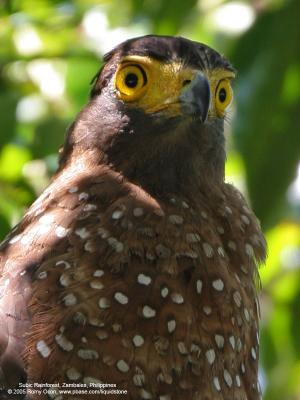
[{"x": 155, "y": 86}]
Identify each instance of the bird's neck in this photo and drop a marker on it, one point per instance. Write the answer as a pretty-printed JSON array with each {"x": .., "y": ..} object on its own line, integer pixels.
[
  {"x": 170, "y": 170},
  {"x": 182, "y": 161}
]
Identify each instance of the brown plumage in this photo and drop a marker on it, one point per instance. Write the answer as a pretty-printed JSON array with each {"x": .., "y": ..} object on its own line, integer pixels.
[{"x": 137, "y": 265}]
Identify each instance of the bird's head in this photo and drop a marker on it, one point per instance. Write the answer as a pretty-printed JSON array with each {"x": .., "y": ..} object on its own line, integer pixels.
[{"x": 158, "y": 101}]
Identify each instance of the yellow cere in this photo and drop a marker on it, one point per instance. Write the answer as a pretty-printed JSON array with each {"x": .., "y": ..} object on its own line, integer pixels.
[{"x": 155, "y": 86}]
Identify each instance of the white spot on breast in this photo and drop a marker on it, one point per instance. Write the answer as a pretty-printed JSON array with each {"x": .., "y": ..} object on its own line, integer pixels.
[
  {"x": 199, "y": 286},
  {"x": 232, "y": 245},
  {"x": 228, "y": 210},
  {"x": 93, "y": 321},
  {"x": 98, "y": 285},
  {"x": 244, "y": 270},
  {"x": 227, "y": 378},
  {"x": 70, "y": 300},
  {"x": 232, "y": 341},
  {"x": 61, "y": 232},
  {"x": 210, "y": 356},
  {"x": 245, "y": 219},
  {"x": 102, "y": 334},
  {"x": 138, "y": 379},
  {"x": 207, "y": 310},
  {"x": 121, "y": 298},
  {"x": 253, "y": 353},
  {"x": 221, "y": 251},
  {"x": 208, "y": 250},
  {"x": 43, "y": 349},
  {"x": 73, "y": 189},
  {"x": 115, "y": 244},
  {"x": 82, "y": 232},
  {"x": 65, "y": 280},
  {"x": 90, "y": 379},
  {"x": 220, "y": 230},
  {"x": 117, "y": 214},
  {"x": 238, "y": 381},
  {"x": 177, "y": 298},
  {"x": 64, "y": 343},
  {"x": 239, "y": 345},
  {"x": 237, "y": 298},
  {"x": 88, "y": 354},
  {"x": 83, "y": 196},
  {"x": 247, "y": 315},
  {"x": 145, "y": 395},
  {"x": 117, "y": 327},
  {"x": 189, "y": 253},
  {"x": 185, "y": 204},
  {"x": 176, "y": 219},
  {"x": 164, "y": 292},
  {"x": 104, "y": 233},
  {"x": 138, "y": 340},
  {"x": 216, "y": 383},
  {"x": 219, "y": 341},
  {"x": 165, "y": 397},
  {"x": 144, "y": 279},
  {"x": 243, "y": 368},
  {"x": 182, "y": 348},
  {"x": 104, "y": 303},
  {"x": 90, "y": 207},
  {"x": 122, "y": 366},
  {"x": 89, "y": 246},
  {"x": 218, "y": 285},
  {"x": 171, "y": 325},
  {"x": 63, "y": 263},
  {"x": 148, "y": 312},
  {"x": 98, "y": 273},
  {"x": 73, "y": 374},
  {"x": 249, "y": 250},
  {"x": 42, "y": 275},
  {"x": 192, "y": 237},
  {"x": 195, "y": 349},
  {"x": 138, "y": 212}
]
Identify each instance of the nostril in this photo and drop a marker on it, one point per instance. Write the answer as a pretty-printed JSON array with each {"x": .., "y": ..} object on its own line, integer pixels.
[{"x": 186, "y": 82}]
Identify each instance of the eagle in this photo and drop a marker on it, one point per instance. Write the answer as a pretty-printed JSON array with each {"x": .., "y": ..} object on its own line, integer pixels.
[{"x": 134, "y": 274}]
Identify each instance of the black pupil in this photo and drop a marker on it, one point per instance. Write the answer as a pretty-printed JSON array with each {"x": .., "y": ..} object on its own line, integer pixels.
[
  {"x": 131, "y": 80},
  {"x": 222, "y": 95}
]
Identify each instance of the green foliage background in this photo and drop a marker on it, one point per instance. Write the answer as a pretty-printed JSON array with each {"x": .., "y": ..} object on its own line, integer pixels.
[{"x": 263, "y": 142}]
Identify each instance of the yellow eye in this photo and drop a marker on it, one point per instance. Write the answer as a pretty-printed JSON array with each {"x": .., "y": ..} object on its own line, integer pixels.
[
  {"x": 223, "y": 96},
  {"x": 131, "y": 82}
]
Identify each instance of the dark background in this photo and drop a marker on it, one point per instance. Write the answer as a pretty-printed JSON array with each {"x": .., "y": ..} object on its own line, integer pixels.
[{"x": 50, "y": 50}]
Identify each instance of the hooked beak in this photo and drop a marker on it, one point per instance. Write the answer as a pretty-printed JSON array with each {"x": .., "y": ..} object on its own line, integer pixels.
[{"x": 195, "y": 97}]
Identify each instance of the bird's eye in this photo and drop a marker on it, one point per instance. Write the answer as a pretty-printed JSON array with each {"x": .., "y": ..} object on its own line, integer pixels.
[
  {"x": 223, "y": 96},
  {"x": 131, "y": 81}
]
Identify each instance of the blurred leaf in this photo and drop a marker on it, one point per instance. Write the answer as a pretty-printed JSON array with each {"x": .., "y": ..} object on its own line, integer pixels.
[
  {"x": 80, "y": 72},
  {"x": 12, "y": 160},
  {"x": 166, "y": 16},
  {"x": 48, "y": 137},
  {"x": 8, "y": 103},
  {"x": 267, "y": 125}
]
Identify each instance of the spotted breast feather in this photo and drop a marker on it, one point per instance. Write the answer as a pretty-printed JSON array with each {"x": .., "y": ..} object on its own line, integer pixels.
[{"x": 134, "y": 291}]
